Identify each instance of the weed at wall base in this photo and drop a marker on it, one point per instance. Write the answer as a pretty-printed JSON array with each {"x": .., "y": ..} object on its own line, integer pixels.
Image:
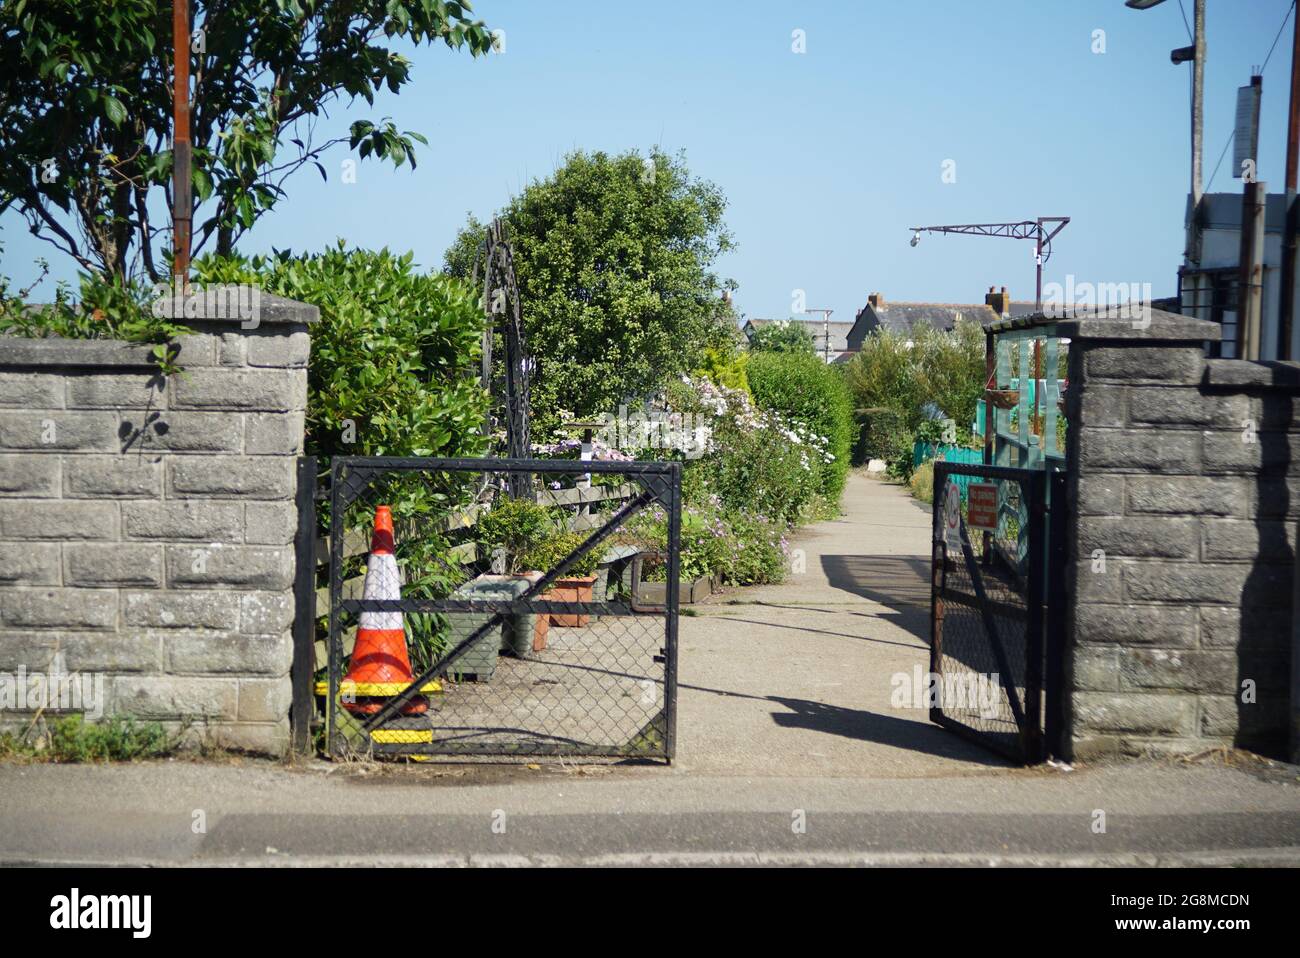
[{"x": 71, "y": 739}]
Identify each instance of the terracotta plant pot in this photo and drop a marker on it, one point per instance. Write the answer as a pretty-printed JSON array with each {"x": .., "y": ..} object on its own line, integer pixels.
[
  {"x": 576, "y": 589},
  {"x": 541, "y": 623}
]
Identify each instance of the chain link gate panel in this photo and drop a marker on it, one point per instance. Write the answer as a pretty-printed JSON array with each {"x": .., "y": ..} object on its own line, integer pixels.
[
  {"x": 987, "y": 621},
  {"x": 507, "y": 584}
]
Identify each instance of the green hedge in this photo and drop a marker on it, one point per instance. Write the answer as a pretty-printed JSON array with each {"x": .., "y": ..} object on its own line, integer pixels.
[
  {"x": 804, "y": 390},
  {"x": 898, "y": 381},
  {"x": 394, "y": 357}
]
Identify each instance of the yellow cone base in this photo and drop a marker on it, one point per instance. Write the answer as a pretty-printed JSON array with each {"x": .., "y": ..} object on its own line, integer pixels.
[
  {"x": 401, "y": 736},
  {"x": 404, "y": 730},
  {"x": 375, "y": 689}
]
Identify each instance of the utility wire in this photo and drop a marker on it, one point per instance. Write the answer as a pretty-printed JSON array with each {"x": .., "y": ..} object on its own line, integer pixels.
[
  {"x": 1277, "y": 38},
  {"x": 1186, "y": 25},
  {"x": 1285, "y": 18}
]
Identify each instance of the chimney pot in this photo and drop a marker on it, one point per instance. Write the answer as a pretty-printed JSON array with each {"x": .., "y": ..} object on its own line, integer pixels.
[{"x": 1000, "y": 303}]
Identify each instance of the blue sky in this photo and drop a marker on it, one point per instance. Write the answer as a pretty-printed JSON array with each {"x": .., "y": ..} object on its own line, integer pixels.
[{"x": 826, "y": 157}]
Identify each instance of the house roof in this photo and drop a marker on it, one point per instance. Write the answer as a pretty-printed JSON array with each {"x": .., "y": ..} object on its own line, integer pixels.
[{"x": 904, "y": 317}]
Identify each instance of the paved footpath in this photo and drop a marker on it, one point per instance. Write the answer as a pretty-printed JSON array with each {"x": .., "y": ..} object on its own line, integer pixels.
[
  {"x": 784, "y": 718},
  {"x": 794, "y": 679}
]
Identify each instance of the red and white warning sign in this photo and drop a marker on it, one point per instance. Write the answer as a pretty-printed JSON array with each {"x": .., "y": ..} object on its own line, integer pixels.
[{"x": 982, "y": 506}]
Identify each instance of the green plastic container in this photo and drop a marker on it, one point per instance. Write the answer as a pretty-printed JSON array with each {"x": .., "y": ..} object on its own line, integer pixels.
[{"x": 480, "y": 660}]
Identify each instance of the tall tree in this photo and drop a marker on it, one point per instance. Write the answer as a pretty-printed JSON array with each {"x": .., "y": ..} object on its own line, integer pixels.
[
  {"x": 614, "y": 257},
  {"x": 86, "y": 104}
]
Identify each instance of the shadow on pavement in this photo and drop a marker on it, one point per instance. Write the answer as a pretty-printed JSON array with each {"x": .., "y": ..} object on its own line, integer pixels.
[
  {"x": 899, "y": 582},
  {"x": 803, "y": 628},
  {"x": 883, "y": 729},
  {"x": 916, "y": 736}
]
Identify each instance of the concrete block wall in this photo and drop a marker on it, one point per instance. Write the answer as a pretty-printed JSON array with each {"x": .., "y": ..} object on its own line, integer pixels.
[
  {"x": 147, "y": 523},
  {"x": 1185, "y": 491}
]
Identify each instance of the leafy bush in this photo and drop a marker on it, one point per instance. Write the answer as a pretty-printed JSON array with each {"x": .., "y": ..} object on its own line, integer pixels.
[
  {"x": 394, "y": 358},
  {"x": 950, "y": 371},
  {"x": 521, "y": 528},
  {"x": 757, "y": 550},
  {"x": 742, "y": 548},
  {"x": 783, "y": 336},
  {"x": 882, "y": 375},
  {"x": 552, "y": 549},
  {"x": 725, "y": 367},
  {"x": 804, "y": 390},
  {"x": 705, "y": 540},
  {"x": 933, "y": 431},
  {"x": 393, "y": 372},
  {"x": 897, "y": 388},
  {"x": 886, "y": 436}
]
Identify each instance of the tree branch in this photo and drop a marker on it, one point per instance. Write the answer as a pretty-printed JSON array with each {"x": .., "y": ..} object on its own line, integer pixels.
[{"x": 72, "y": 249}]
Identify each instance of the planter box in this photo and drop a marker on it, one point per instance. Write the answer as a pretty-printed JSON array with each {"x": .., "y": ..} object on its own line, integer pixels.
[
  {"x": 576, "y": 589},
  {"x": 656, "y": 593},
  {"x": 480, "y": 660},
  {"x": 614, "y": 574}
]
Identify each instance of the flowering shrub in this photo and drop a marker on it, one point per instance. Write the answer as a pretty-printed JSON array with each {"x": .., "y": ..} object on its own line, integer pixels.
[
  {"x": 572, "y": 449},
  {"x": 742, "y": 548},
  {"x": 759, "y": 550},
  {"x": 754, "y": 460}
]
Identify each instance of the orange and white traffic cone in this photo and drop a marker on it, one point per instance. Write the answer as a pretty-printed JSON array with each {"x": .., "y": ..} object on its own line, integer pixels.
[{"x": 380, "y": 667}]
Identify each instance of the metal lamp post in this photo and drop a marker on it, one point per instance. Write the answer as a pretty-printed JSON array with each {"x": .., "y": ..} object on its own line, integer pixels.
[{"x": 1195, "y": 53}]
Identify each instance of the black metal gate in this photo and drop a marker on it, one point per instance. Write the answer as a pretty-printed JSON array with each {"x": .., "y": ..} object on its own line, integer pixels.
[
  {"x": 995, "y": 667},
  {"x": 510, "y": 653}
]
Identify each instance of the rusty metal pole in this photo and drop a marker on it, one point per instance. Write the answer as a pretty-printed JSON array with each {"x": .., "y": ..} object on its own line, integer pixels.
[{"x": 182, "y": 155}]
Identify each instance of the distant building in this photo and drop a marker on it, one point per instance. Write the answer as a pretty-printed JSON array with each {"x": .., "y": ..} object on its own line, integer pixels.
[
  {"x": 1209, "y": 279},
  {"x": 903, "y": 318},
  {"x": 839, "y": 350}
]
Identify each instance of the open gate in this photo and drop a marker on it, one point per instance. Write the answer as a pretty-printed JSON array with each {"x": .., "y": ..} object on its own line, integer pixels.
[
  {"x": 994, "y": 658},
  {"x": 504, "y": 661}
]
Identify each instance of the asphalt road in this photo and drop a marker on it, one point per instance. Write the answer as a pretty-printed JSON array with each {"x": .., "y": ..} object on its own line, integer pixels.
[{"x": 253, "y": 812}]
